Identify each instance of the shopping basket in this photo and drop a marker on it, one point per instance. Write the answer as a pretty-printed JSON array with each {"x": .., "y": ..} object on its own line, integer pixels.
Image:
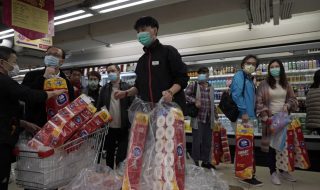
[{"x": 57, "y": 167}]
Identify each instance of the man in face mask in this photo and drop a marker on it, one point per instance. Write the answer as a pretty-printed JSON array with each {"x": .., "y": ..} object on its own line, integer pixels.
[
  {"x": 118, "y": 132},
  {"x": 10, "y": 111},
  {"x": 93, "y": 88},
  {"x": 160, "y": 71},
  {"x": 53, "y": 60}
]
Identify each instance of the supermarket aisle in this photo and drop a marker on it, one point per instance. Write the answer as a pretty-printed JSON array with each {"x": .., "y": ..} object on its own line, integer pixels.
[{"x": 306, "y": 180}]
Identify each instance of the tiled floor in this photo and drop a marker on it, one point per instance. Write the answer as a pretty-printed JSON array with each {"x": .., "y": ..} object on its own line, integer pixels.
[{"x": 306, "y": 180}]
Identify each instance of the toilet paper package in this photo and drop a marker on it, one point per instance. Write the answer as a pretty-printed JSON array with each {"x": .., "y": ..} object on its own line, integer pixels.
[
  {"x": 168, "y": 165},
  {"x": 56, "y": 103},
  {"x": 285, "y": 159},
  {"x": 220, "y": 151},
  {"x": 301, "y": 154},
  {"x": 61, "y": 126},
  {"x": 133, "y": 169},
  {"x": 244, "y": 152}
]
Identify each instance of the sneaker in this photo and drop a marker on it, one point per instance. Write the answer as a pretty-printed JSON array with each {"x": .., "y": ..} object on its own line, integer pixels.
[
  {"x": 207, "y": 165},
  {"x": 287, "y": 176},
  {"x": 253, "y": 182},
  {"x": 275, "y": 179}
]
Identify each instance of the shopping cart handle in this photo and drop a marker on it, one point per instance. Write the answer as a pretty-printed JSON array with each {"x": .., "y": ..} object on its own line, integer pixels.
[
  {"x": 45, "y": 154},
  {"x": 16, "y": 151}
]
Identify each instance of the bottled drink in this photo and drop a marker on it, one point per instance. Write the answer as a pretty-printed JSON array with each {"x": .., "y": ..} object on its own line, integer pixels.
[
  {"x": 294, "y": 65},
  {"x": 310, "y": 64},
  {"x": 290, "y": 66},
  {"x": 298, "y": 63},
  {"x": 314, "y": 64},
  {"x": 286, "y": 66}
]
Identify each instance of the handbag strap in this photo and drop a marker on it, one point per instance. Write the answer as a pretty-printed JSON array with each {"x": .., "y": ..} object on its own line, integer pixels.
[
  {"x": 195, "y": 88},
  {"x": 244, "y": 83}
]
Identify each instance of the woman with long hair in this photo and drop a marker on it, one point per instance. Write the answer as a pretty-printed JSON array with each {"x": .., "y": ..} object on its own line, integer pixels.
[
  {"x": 274, "y": 95},
  {"x": 313, "y": 105}
]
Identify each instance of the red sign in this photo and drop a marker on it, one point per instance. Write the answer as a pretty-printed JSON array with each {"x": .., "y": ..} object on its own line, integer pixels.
[{"x": 31, "y": 18}]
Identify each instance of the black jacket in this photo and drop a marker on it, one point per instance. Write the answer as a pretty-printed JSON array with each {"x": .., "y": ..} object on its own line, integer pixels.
[
  {"x": 166, "y": 68},
  {"x": 105, "y": 97},
  {"x": 35, "y": 80},
  {"x": 10, "y": 110}
]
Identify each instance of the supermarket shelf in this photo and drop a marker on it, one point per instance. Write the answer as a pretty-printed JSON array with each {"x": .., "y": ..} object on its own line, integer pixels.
[
  {"x": 262, "y": 74},
  {"x": 301, "y": 98},
  {"x": 299, "y": 114},
  {"x": 301, "y": 82},
  {"x": 216, "y": 101},
  {"x": 222, "y": 88}
]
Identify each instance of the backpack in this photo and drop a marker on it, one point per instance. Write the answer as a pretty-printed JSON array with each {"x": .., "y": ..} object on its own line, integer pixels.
[{"x": 228, "y": 106}]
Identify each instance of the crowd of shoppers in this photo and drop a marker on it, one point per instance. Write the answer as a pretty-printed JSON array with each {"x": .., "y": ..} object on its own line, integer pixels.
[{"x": 160, "y": 73}]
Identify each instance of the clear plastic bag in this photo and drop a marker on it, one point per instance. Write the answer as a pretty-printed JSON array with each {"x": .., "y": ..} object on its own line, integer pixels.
[
  {"x": 278, "y": 140},
  {"x": 97, "y": 177},
  {"x": 198, "y": 178},
  {"x": 279, "y": 121}
]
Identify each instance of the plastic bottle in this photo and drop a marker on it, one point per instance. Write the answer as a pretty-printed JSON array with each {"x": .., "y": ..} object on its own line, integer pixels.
[
  {"x": 286, "y": 66},
  {"x": 310, "y": 64},
  {"x": 294, "y": 65},
  {"x": 290, "y": 66},
  {"x": 298, "y": 63},
  {"x": 314, "y": 64}
]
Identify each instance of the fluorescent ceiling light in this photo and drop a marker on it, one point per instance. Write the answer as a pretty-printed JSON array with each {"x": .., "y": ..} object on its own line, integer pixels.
[
  {"x": 125, "y": 6},
  {"x": 69, "y": 14},
  {"x": 6, "y": 36},
  {"x": 6, "y": 31},
  {"x": 108, "y": 4},
  {"x": 73, "y": 19}
]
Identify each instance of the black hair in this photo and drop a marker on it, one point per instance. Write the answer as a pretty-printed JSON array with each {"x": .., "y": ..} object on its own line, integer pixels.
[
  {"x": 75, "y": 69},
  {"x": 63, "y": 52},
  {"x": 316, "y": 80},
  {"x": 116, "y": 66},
  {"x": 203, "y": 70},
  {"x": 246, "y": 58},
  {"x": 94, "y": 73},
  {"x": 283, "y": 78},
  {"x": 146, "y": 21},
  {"x": 5, "y": 52}
]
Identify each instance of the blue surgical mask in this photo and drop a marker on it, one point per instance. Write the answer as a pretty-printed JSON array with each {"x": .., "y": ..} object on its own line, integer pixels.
[
  {"x": 145, "y": 38},
  {"x": 113, "y": 76},
  {"x": 51, "y": 61},
  {"x": 275, "y": 72},
  {"x": 202, "y": 77}
]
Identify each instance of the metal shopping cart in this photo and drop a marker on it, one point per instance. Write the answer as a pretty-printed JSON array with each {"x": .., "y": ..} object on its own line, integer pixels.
[{"x": 57, "y": 167}]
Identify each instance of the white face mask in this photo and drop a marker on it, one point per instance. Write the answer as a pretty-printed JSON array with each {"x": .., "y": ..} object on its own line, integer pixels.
[
  {"x": 15, "y": 71},
  {"x": 249, "y": 69}
]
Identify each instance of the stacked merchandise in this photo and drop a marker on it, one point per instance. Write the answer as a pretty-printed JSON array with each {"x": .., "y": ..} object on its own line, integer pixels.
[
  {"x": 244, "y": 158},
  {"x": 156, "y": 149},
  {"x": 49, "y": 159},
  {"x": 56, "y": 103},
  {"x": 295, "y": 152},
  {"x": 220, "y": 151}
]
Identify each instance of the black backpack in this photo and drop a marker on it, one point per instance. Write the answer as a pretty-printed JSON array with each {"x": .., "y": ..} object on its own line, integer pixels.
[
  {"x": 191, "y": 108},
  {"x": 228, "y": 106}
]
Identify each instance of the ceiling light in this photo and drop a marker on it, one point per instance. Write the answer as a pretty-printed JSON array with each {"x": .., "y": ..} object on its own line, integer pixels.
[
  {"x": 73, "y": 19},
  {"x": 125, "y": 6},
  {"x": 6, "y": 31},
  {"x": 69, "y": 14},
  {"x": 108, "y": 4},
  {"x": 6, "y": 36}
]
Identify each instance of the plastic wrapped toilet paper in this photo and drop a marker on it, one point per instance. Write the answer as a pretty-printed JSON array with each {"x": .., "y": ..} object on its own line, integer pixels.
[
  {"x": 159, "y": 145},
  {"x": 170, "y": 119},
  {"x": 167, "y": 186},
  {"x": 157, "y": 185},
  {"x": 160, "y": 133},
  {"x": 161, "y": 121},
  {"x": 169, "y": 159},
  {"x": 168, "y": 174},
  {"x": 169, "y": 146},
  {"x": 169, "y": 132},
  {"x": 157, "y": 173},
  {"x": 159, "y": 158}
]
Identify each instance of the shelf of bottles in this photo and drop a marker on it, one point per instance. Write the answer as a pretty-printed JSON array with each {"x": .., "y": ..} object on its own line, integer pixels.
[{"x": 299, "y": 74}]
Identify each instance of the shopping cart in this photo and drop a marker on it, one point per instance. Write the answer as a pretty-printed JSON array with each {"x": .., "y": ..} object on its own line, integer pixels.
[{"x": 57, "y": 167}]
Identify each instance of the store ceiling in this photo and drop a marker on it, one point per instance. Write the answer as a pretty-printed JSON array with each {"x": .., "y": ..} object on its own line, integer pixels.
[{"x": 175, "y": 16}]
